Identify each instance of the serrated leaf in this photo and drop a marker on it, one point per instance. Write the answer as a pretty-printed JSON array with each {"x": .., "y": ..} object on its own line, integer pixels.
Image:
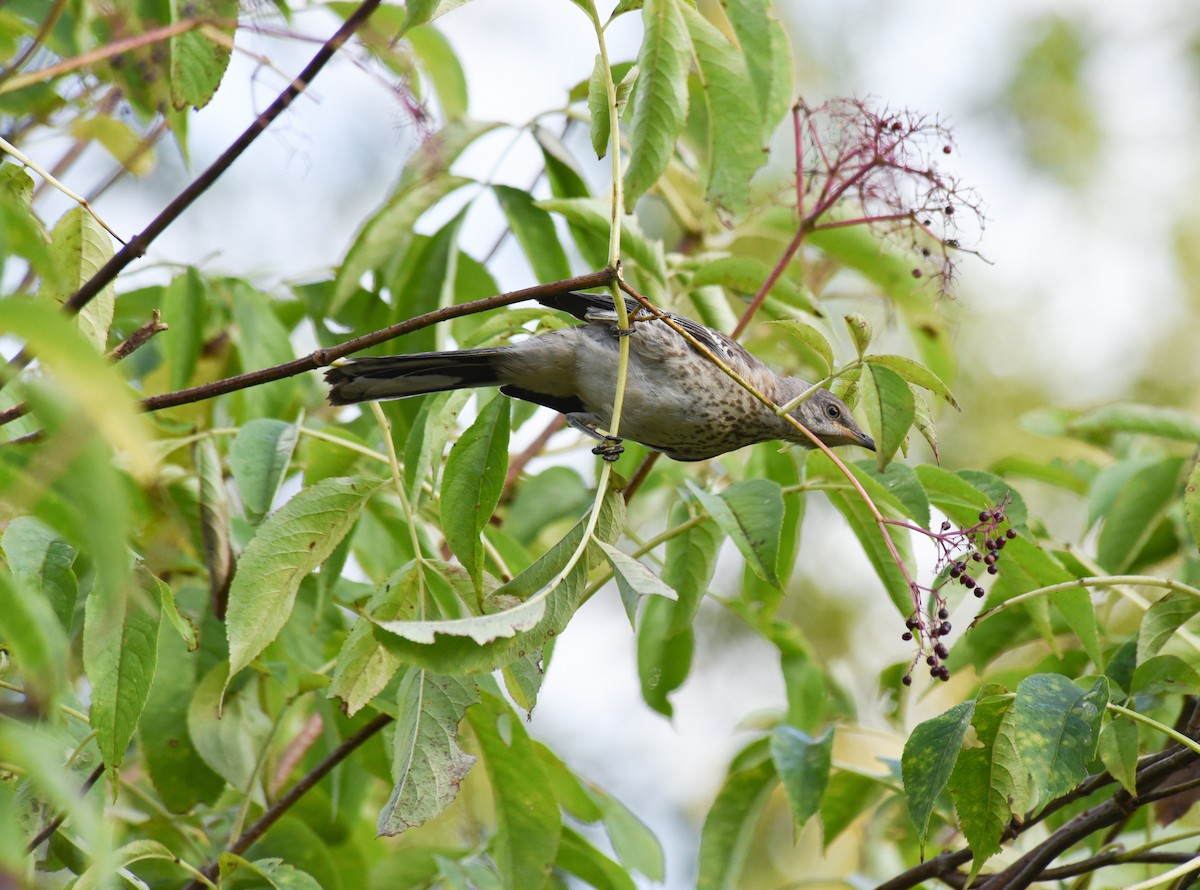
[
  {"x": 750, "y": 513},
  {"x": 183, "y": 310},
  {"x": 729, "y": 826},
  {"x": 660, "y": 98},
  {"x": 41, "y": 560},
  {"x": 1057, "y": 731},
  {"x": 1191, "y": 503},
  {"x": 1135, "y": 513},
  {"x": 929, "y": 758},
  {"x": 428, "y": 765},
  {"x": 923, "y": 422},
  {"x": 914, "y": 372},
  {"x": 1162, "y": 619},
  {"x": 120, "y": 651},
  {"x": 528, "y": 823},
  {"x": 803, "y": 764},
  {"x": 889, "y": 406},
  {"x": 1150, "y": 420},
  {"x": 1119, "y": 751},
  {"x": 197, "y": 62},
  {"x": 535, "y": 232},
  {"x": 755, "y": 31},
  {"x": 214, "y": 522},
  {"x": 473, "y": 482},
  {"x": 289, "y": 545},
  {"x": 634, "y": 580},
  {"x": 985, "y": 779},
  {"x": 275, "y": 872},
  {"x": 860, "y": 331},
  {"x": 258, "y": 459},
  {"x": 735, "y": 126},
  {"x": 79, "y": 246},
  {"x": 812, "y": 338},
  {"x": 594, "y": 216},
  {"x": 1164, "y": 674}
]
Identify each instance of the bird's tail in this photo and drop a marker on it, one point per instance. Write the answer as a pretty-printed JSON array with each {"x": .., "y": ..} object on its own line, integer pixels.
[{"x": 399, "y": 376}]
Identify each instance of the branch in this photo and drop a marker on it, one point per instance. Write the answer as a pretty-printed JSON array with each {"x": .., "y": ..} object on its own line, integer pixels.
[
  {"x": 138, "y": 244},
  {"x": 138, "y": 338},
  {"x": 323, "y": 357},
  {"x": 41, "y": 837},
  {"x": 285, "y": 803}
]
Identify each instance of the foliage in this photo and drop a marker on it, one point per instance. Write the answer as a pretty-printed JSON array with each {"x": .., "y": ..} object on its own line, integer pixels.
[{"x": 215, "y": 593}]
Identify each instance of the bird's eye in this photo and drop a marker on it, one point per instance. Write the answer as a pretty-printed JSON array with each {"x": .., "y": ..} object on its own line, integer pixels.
[{"x": 834, "y": 411}]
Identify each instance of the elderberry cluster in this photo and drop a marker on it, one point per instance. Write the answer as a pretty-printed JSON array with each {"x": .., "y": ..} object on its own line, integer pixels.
[{"x": 963, "y": 554}]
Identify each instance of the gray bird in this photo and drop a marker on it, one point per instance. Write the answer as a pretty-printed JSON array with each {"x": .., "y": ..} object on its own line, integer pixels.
[{"x": 676, "y": 400}]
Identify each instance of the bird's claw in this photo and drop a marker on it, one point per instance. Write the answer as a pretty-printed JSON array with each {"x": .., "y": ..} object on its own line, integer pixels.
[
  {"x": 620, "y": 332},
  {"x": 611, "y": 449}
]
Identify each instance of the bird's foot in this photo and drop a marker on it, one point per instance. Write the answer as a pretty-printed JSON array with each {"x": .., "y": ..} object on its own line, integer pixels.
[
  {"x": 611, "y": 449},
  {"x": 620, "y": 332}
]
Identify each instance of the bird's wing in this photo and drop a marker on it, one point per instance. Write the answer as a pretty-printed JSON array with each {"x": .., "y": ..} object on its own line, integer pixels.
[{"x": 579, "y": 305}]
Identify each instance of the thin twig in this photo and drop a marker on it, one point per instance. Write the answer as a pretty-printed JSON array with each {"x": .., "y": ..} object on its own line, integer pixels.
[{"x": 139, "y": 338}]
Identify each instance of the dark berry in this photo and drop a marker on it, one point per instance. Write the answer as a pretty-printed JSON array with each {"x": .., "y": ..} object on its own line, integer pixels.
[
  {"x": 968, "y": 582},
  {"x": 955, "y": 570},
  {"x": 946, "y": 526},
  {"x": 906, "y": 636},
  {"x": 977, "y": 556},
  {"x": 979, "y": 592},
  {"x": 948, "y": 210},
  {"x": 943, "y": 613},
  {"x": 906, "y": 680},
  {"x": 990, "y": 559},
  {"x": 993, "y": 569},
  {"x": 1000, "y": 542},
  {"x": 946, "y": 149},
  {"x": 940, "y": 651},
  {"x": 945, "y": 674},
  {"x": 984, "y": 515},
  {"x": 912, "y": 624},
  {"x": 945, "y": 628},
  {"x": 930, "y": 660},
  {"x": 1011, "y": 533},
  {"x": 916, "y": 273}
]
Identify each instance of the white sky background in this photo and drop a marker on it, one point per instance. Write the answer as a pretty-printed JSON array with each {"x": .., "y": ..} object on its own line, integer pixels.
[{"x": 1076, "y": 289}]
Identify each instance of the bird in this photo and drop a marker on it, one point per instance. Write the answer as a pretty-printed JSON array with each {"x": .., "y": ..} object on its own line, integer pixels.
[{"x": 677, "y": 401}]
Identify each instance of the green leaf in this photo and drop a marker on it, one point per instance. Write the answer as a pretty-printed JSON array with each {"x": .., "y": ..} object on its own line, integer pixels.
[
  {"x": 214, "y": 521},
  {"x": 1164, "y": 674},
  {"x": 578, "y": 857},
  {"x": 849, "y": 796},
  {"x": 889, "y": 406},
  {"x": 440, "y": 64},
  {"x": 1191, "y": 503},
  {"x": 389, "y": 232},
  {"x": 735, "y": 126},
  {"x": 181, "y": 778},
  {"x": 428, "y": 765},
  {"x": 812, "y": 338},
  {"x": 535, "y": 232},
  {"x": 634, "y": 580},
  {"x": 660, "y": 98},
  {"x": 986, "y": 777},
  {"x": 665, "y": 645},
  {"x": 1119, "y": 751},
  {"x": 902, "y": 482},
  {"x": 928, "y": 761},
  {"x": 79, "y": 246},
  {"x": 914, "y": 372},
  {"x": 756, "y": 33},
  {"x": 1057, "y": 731},
  {"x": 601, "y": 128},
  {"x": 594, "y": 216},
  {"x": 1149, "y": 420},
  {"x": 860, "y": 331},
  {"x": 135, "y": 851},
  {"x": 290, "y": 544},
  {"x": 635, "y": 845},
  {"x": 1136, "y": 512},
  {"x": 229, "y": 728},
  {"x": 729, "y": 826},
  {"x": 41, "y": 561},
  {"x": 120, "y": 651},
  {"x": 1162, "y": 619},
  {"x": 198, "y": 63},
  {"x": 751, "y": 514},
  {"x": 183, "y": 310},
  {"x": 258, "y": 460},
  {"x": 528, "y": 823},
  {"x": 745, "y": 275},
  {"x": 473, "y": 482},
  {"x": 277, "y": 873},
  {"x": 262, "y": 341},
  {"x": 803, "y": 765}
]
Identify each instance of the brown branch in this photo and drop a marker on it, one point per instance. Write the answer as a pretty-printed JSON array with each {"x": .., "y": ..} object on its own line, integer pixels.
[
  {"x": 41, "y": 837},
  {"x": 302, "y": 787},
  {"x": 34, "y": 45},
  {"x": 138, "y": 338},
  {"x": 138, "y": 244},
  {"x": 640, "y": 475},
  {"x": 323, "y": 357}
]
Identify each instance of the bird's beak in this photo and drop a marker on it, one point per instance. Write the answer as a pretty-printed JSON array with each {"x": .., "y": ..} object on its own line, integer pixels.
[{"x": 865, "y": 441}]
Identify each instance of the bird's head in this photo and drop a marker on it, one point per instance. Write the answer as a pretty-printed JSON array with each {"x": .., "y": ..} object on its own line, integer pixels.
[{"x": 828, "y": 418}]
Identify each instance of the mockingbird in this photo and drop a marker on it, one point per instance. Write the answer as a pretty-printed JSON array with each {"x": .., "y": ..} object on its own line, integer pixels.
[{"x": 676, "y": 400}]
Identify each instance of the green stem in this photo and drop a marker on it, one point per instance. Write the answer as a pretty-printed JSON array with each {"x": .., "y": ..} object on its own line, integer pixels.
[
  {"x": 1101, "y": 581},
  {"x": 1154, "y": 724}
]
